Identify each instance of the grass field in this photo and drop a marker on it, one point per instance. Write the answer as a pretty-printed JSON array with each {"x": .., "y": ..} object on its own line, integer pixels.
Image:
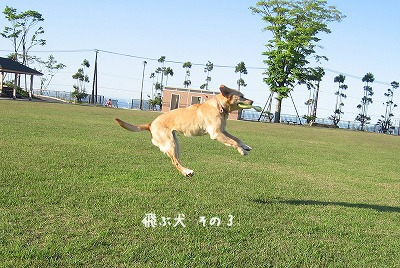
[{"x": 75, "y": 188}]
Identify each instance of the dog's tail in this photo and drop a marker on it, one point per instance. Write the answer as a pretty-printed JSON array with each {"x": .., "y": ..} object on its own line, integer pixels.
[{"x": 132, "y": 127}]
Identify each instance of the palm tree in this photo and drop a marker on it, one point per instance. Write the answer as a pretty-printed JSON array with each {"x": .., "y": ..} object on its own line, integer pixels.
[
  {"x": 168, "y": 72},
  {"x": 81, "y": 78},
  {"x": 161, "y": 70},
  {"x": 316, "y": 76},
  {"x": 152, "y": 76},
  {"x": 187, "y": 65},
  {"x": 365, "y": 101},
  {"x": 209, "y": 67},
  {"x": 339, "y": 96},
  {"x": 386, "y": 122},
  {"x": 312, "y": 80},
  {"x": 241, "y": 69}
]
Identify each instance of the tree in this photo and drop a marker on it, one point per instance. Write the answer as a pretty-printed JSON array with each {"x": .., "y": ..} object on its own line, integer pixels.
[
  {"x": 294, "y": 26},
  {"x": 152, "y": 76},
  {"x": 158, "y": 86},
  {"x": 153, "y": 102},
  {"x": 161, "y": 70},
  {"x": 309, "y": 103},
  {"x": 365, "y": 101},
  {"x": 386, "y": 123},
  {"x": 81, "y": 78},
  {"x": 336, "y": 117},
  {"x": 187, "y": 65},
  {"x": 49, "y": 69},
  {"x": 168, "y": 72},
  {"x": 209, "y": 67},
  {"x": 19, "y": 32},
  {"x": 241, "y": 69},
  {"x": 312, "y": 81}
]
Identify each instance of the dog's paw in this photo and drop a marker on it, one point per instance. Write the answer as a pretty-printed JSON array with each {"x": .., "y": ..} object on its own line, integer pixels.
[
  {"x": 188, "y": 173},
  {"x": 246, "y": 147},
  {"x": 242, "y": 151}
]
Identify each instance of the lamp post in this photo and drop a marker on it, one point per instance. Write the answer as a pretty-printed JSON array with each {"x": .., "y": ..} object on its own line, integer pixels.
[{"x": 141, "y": 91}]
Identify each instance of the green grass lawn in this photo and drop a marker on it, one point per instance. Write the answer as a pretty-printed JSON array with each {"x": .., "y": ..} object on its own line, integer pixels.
[{"x": 75, "y": 187}]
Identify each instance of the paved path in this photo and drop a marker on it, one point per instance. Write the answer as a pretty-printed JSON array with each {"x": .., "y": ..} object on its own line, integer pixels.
[
  {"x": 50, "y": 99},
  {"x": 39, "y": 98}
]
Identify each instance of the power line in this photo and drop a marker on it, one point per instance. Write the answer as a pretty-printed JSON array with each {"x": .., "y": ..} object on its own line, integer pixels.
[
  {"x": 130, "y": 56},
  {"x": 54, "y": 51},
  {"x": 171, "y": 61},
  {"x": 356, "y": 77},
  {"x": 229, "y": 66},
  {"x": 181, "y": 62}
]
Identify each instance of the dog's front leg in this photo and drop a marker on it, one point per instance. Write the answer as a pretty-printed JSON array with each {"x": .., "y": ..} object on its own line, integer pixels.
[
  {"x": 241, "y": 143},
  {"x": 221, "y": 137}
]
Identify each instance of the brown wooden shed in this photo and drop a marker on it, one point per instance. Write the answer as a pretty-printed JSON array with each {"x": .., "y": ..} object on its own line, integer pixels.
[
  {"x": 10, "y": 66},
  {"x": 174, "y": 98}
]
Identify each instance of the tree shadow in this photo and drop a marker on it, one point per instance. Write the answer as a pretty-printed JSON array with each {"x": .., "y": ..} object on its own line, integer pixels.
[{"x": 325, "y": 203}]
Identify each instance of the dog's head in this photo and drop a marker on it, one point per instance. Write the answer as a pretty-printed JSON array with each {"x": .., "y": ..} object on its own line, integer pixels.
[{"x": 231, "y": 98}]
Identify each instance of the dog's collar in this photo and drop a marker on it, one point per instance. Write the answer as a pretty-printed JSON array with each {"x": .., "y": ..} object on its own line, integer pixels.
[{"x": 221, "y": 108}]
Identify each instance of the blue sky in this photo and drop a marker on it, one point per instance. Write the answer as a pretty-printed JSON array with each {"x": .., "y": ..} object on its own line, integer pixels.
[{"x": 223, "y": 32}]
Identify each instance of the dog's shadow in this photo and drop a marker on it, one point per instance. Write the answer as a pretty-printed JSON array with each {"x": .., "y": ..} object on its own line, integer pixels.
[{"x": 326, "y": 203}]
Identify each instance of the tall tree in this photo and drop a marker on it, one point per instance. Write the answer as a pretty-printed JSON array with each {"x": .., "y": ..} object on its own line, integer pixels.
[
  {"x": 161, "y": 70},
  {"x": 294, "y": 26},
  {"x": 187, "y": 65},
  {"x": 82, "y": 79},
  {"x": 19, "y": 32},
  {"x": 168, "y": 71},
  {"x": 385, "y": 122},
  {"x": 164, "y": 71},
  {"x": 49, "y": 68},
  {"x": 363, "y": 117},
  {"x": 312, "y": 80},
  {"x": 159, "y": 86},
  {"x": 209, "y": 67},
  {"x": 340, "y": 95},
  {"x": 152, "y": 76},
  {"x": 241, "y": 69}
]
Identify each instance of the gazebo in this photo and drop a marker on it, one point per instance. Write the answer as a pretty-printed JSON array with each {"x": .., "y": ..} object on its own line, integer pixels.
[{"x": 10, "y": 66}]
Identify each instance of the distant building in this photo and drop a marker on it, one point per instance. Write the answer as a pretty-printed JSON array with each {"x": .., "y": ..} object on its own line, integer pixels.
[{"x": 174, "y": 98}]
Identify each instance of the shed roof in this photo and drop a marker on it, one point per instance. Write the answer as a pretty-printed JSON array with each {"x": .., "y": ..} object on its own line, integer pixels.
[{"x": 10, "y": 66}]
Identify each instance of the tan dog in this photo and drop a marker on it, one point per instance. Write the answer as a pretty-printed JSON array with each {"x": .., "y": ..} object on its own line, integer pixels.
[{"x": 198, "y": 119}]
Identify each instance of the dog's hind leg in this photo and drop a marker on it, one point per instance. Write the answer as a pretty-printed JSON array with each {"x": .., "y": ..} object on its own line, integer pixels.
[
  {"x": 177, "y": 147},
  {"x": 168, "y": 144},
  {"x": 176, "y": 158}
]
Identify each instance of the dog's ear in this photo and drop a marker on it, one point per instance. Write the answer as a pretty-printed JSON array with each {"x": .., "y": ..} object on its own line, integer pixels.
[{"x": 226, "y": 91}]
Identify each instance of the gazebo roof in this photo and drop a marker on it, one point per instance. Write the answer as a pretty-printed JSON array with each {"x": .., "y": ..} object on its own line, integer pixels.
[{"x": 10, "y": 66}]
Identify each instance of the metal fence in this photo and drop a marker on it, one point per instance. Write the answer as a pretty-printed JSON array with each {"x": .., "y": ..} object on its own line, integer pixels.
[
  {"x": 101, "y": 100},
  {"x": 250, "y": 115}
]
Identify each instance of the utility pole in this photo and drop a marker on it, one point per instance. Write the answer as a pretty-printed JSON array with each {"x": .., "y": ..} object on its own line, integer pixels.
[
  {"x": 141, "y": 91},
  {"x": 94, "y": 88}
]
